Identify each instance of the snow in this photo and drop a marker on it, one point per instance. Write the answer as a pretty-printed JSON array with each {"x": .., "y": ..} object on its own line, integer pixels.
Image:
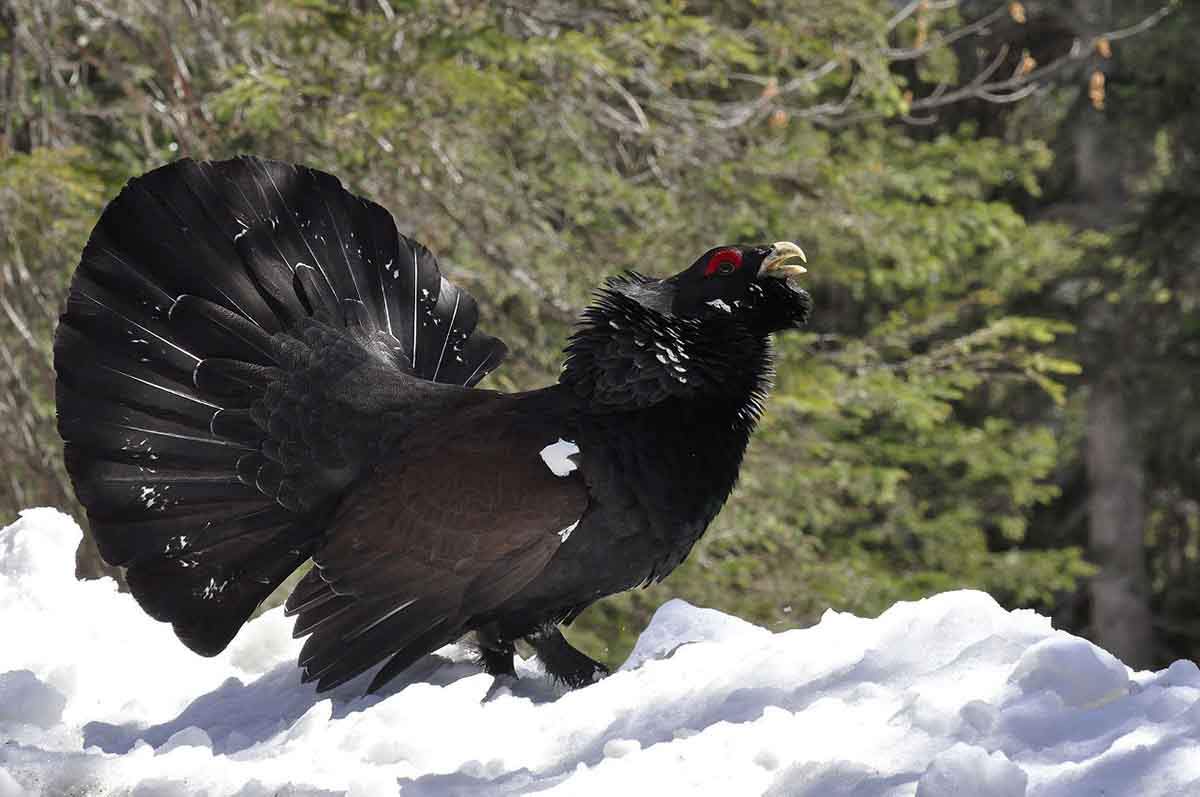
[
  {"x": 951, "y": 695},
  {"x": 966, "y": 769},
  {"x": 557, "y": 456}
]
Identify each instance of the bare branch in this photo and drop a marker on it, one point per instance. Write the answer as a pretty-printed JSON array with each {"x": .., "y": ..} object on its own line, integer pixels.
[
  {"x": 914, "y": 6},
  {"x": 840, "y": 113},
  {"x": 1141, "y": 27},
  {"x": 978, "y": 27},
  {"x": 1012, "y": 89},
  {"x": 22, "y": 328}
]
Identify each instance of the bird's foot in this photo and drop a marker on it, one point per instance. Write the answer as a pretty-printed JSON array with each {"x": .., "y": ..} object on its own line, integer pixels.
[
  {"x": 564, "y": 663},
  {"x": 494, "y": 654},
  {"x": 585, "y": 675}
]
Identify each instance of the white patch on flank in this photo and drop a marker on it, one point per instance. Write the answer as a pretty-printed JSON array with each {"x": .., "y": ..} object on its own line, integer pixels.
[
  {"x": 557, "y": 457},
  {"x": 719, "y": 304},
  {"x": 562, "y": 535}
]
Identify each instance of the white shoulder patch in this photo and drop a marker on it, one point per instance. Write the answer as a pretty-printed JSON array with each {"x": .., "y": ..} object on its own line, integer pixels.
[
  {"x": 719, "y": 304},
  {"x": 562, "y": 535},
  {"x": 557, "y": 457}
]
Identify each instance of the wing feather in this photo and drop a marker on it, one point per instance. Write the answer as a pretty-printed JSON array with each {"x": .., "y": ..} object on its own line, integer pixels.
[{"x": 446, "y": 534}]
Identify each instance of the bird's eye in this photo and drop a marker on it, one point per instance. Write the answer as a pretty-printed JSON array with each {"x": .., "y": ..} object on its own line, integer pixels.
[{"x": 726, "y": 261}]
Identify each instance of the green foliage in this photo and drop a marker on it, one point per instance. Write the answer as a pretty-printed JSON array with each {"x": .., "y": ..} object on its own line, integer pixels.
[{"x": 48, "y": 200}]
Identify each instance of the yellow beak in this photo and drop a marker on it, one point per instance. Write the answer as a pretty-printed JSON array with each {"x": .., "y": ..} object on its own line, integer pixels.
[{"x": 784, "y": 261}]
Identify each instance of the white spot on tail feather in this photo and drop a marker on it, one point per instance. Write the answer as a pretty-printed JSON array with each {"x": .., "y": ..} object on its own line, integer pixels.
[
  {"x": 557, "y": 457},
  {"x": 562, "y": 535},
  {"x": 214, "y": 588}
]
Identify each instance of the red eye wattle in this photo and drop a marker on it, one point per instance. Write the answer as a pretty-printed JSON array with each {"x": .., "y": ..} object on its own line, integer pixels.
[{"x": 725, "y": 261}]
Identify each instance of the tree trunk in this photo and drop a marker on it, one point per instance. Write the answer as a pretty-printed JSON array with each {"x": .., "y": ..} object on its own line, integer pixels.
[
  {"x": 1121, "y": 619},
  {"x": 1103, "y": 163}
]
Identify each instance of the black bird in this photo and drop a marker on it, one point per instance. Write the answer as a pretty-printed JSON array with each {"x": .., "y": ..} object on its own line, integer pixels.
[{"x": 255, "y": 368}]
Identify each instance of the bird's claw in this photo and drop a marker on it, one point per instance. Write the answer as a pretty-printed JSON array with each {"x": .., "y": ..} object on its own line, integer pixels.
[{"x": 587, "y": 675}]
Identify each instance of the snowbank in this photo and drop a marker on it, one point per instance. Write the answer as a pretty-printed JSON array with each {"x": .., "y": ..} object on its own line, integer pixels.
[{"x": 947, "y": 696}]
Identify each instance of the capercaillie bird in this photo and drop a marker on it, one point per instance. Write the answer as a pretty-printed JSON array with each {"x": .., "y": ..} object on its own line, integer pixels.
[{"x": 255, "y": 369}]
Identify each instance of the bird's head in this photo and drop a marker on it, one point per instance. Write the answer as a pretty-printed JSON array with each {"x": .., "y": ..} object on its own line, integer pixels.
[
  {"x": 702, "y": 333},
  {"x": 748, "y": 284}
]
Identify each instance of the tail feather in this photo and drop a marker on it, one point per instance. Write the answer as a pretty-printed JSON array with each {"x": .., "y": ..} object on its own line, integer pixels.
[
  {"x": 219, "y": 332},
  {"x": 236, "y": 425},
  {"x": 237, "y": 381},
  {"x": 123, "y": 490},
  {"x": 126, "y": 542},
  {"x": 157, "y": 222},
  {"x": 129, "y": 384},
  {"x": 212, "y": 304},
  {"x": 208, "y": 598},
  {"x": 135, "y": 436},
  {"x": 121, "y": 331}
]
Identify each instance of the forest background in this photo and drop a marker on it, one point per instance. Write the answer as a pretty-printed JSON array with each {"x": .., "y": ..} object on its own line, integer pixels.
[{"x": 999, "y": 200}]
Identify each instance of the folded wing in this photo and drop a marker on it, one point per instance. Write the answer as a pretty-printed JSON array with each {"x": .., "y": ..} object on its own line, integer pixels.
[{"x": 462, "y": 522}]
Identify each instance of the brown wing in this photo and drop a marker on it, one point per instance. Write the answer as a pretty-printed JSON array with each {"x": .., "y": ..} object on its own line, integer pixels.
[{"x": 454, "y": 524}]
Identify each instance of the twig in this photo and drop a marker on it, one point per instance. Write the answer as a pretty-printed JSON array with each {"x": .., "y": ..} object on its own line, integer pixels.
[
  {"x": 979, "y": 26},
  {"x": 914, "y": 6},
  {"x": 1009, "y": 90}
]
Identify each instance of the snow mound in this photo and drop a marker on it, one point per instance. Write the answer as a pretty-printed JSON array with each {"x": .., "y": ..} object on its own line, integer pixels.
[{"x": 951, "y": 695}]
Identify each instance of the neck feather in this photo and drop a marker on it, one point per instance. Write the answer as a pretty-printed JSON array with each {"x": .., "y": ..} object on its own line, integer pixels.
[{"x": 629, "y": 352}]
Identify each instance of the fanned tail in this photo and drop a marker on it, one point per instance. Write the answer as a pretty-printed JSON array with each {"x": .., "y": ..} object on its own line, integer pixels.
[{"x": 213, "y": 306}]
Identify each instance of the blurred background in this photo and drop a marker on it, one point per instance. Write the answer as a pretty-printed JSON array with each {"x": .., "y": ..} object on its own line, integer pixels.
[{"x": 999, "y": 200}]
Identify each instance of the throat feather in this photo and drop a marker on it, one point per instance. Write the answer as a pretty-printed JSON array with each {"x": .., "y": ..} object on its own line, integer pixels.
[{"x": 629, "y": 354}]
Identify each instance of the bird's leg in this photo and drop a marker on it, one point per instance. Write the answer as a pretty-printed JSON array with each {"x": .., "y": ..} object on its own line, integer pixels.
[
  {"x": 563, "y": 662},
  {"x": 495, "y": 652}
]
